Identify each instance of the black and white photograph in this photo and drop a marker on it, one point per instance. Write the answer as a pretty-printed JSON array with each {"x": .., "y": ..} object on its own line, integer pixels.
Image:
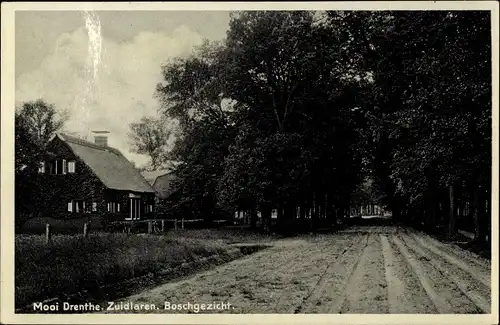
[{"x": 324, "y": 160}]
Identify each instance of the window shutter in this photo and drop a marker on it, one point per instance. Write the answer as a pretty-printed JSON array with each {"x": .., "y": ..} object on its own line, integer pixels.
[
  {"x": 118, "y": 207},
  {"x": 65, "y": 166},
  {"x": 70, "y": 206}
]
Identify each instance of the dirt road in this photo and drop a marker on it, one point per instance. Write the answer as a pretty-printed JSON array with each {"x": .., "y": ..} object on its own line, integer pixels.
[{"x": 360, "y": 270}]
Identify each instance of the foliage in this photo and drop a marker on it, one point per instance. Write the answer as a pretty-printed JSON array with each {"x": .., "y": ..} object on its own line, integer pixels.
[
  {"x": 150, "y": 137},
  {"x": 41, "y": 120},
  {"x": 35, "y": 122},
  {"x": 321, "y": 102},
  {"x": 429, "y": 113},
  {"x": 192, "y": 94}
]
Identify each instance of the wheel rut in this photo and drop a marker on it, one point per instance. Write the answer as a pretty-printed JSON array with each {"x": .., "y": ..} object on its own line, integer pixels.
[{"x": 316, "y": 291}]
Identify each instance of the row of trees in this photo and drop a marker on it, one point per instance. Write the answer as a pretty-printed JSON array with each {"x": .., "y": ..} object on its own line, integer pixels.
[{"x": 294, "y": 110}]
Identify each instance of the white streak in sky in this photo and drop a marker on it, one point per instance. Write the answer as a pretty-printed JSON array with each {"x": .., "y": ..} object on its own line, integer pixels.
[
  {"x": 94, "y": 55},
  {"x": 93, "y": 25}
]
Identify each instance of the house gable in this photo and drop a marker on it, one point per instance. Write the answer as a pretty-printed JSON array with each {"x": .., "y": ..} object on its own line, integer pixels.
[{"x": 67, "y": 187}]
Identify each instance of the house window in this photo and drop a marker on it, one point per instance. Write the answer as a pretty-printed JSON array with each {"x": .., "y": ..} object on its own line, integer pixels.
[
  {"x": 41, "y": 168},
  {"x": 79, "y": 206},
  {"x": 71, "y": 167},
  {"x": 87, "y": 206},
  {"x": 150, "y": 208},
  {"x": 113, "y": 207},
  {"x": 57, "y": 167}
]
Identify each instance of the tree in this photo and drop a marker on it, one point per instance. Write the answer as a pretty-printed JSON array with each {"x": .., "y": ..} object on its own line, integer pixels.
[
  {"x": 296, "y": 102},
  {"x": 320, "y": 105},
  {"x": 35, "y": 123},
  {"x": 41, "y": 120},
  {"x": 428, "y": 110},
  {"x": 192, "y": 94},
  {"x": 151, "y": 136}
]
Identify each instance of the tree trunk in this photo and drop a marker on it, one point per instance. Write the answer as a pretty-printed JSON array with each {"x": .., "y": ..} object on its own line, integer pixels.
[
  {"x": 329, "y": 214},
  {"x": 303, "y": 211},
  {"x": 280, "y": 217},
  {"x": 452, "y": 230},
  {"x": 476, "y": 212},
  {"x": 288, "y": 216},
  {"x": 340, "y": 210},
  {"x": 481, "y": 215},
  {"x": 253, "y": 219},
  {"x": 266, "y": 214},
  {"x": 434, "y": 214},
  {"x": 325, "y": 205},
  {"x": 488, "y": 215},
  {"x": 314, "y": 211}
]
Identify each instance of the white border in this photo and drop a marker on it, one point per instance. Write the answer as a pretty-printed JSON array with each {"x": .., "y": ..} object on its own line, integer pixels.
[{"x": 7, "y": 168}]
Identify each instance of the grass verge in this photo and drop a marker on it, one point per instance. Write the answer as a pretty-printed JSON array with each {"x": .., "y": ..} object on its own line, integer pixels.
[
  {"x": 73, "y": 264},
  {"x": 227, "y": 235}
]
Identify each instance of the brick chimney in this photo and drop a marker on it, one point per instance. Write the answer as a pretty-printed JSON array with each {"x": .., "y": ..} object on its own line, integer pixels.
[{"x": 101, "y": 138}]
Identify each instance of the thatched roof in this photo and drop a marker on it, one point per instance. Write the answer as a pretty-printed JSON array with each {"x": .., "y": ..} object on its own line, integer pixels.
[
  {"x": 161, "y": 181},
  {"x": 109, "y": 165}
]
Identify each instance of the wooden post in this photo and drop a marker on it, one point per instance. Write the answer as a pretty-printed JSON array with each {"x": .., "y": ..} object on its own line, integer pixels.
[
  {"x": 163, "y": 226},
  {"x": 182, "y": 223},
  {"x": 85, "y": 229},
  {"x": 48, "y": 234},
  {"x": 175, "y": 224},
  {"x": 150, "y": 227}
]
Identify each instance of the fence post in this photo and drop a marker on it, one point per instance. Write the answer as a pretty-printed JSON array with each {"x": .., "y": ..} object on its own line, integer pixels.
[
  {"x": 48, "y": 234},
  {"x": 163, "y": 226},
  {"x": 150, "y": 227},
  {"x": 85, "y": 229},
  {"x": 175, "y": 224},
  {"x": 182, "y": 223}
]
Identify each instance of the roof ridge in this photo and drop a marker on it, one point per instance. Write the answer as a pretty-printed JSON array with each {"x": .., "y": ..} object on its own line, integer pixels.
[{"x": 87, "y": 143}]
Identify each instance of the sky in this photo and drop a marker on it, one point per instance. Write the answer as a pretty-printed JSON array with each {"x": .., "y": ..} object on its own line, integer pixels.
[{"x": 103, "y": 66}]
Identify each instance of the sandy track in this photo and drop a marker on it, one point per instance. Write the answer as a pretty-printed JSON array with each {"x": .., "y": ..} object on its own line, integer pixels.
[{"x": 361, "y": 270}]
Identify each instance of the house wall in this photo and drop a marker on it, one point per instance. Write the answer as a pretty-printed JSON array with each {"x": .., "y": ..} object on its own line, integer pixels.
[
  {"x": 58, "y": 190},
  {"x": 61, "y": 189},
  {"x": 123, "y": 198}
]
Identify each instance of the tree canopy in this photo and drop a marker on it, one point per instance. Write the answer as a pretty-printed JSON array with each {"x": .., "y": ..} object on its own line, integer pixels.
[
  {"x": 295, "y": 110},
  {"x": 35, "y": 122}
]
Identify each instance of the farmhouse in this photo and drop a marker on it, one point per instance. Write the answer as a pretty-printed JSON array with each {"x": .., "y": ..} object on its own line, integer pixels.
[
  {"x": 89, "y": 180},
  {"x": 160, "y": 180}
]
